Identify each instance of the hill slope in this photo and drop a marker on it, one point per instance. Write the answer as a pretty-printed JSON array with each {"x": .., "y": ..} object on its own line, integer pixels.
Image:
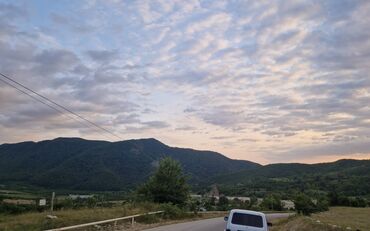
[
  {"x": 74, "y": 163},
  {"x": 350, "y": 177}
]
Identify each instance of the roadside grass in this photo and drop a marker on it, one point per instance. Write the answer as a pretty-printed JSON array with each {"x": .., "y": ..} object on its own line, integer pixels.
[
  {"x": 33, "y": 221},
  {"x": 300, "y": 223},
  {"x": 38, "y": 221},
  {"x": 336, "y": 219},
  {"x": 356, "y": 218}
]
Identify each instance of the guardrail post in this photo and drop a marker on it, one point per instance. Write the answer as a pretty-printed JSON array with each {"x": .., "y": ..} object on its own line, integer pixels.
[{"x": 133, "y": 221}]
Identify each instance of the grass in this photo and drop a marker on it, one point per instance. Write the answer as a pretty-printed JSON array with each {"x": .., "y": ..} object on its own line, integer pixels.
[
  {"x": 38, "y": 221},
  {"x": 17, "y": 194},
  {"x": 300, "y": 223},
  {"x": 33, "y": 221},
  {"x": 356, "y": 218},
  {"x": 336, "y": 219}
]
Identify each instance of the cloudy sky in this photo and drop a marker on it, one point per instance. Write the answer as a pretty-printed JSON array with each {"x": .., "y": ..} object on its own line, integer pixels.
[{"x": 267, "y": 81}]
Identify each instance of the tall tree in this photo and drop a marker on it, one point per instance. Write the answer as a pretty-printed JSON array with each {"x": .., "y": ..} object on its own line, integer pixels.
[{"x": 167, "y": 185}]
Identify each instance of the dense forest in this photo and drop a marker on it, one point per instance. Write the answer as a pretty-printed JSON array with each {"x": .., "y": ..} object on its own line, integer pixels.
[{"x": 349, "y": 178}]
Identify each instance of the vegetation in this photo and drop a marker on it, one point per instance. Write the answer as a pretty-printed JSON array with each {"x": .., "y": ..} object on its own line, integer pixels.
[
  {"x": 347, "y": 178},
  {"x": 301, "y": 223},
  {"x": 356, "y": 218},
  {"x": 39, "y": 221},
  {"x": 167, "y": 185},
  {"x": 307, "y": 205},
  {"x": 336, "y": 219},
  {"x": 77, "y": 164},
  {"x": 338, "y": 199},
  {"x": 67, "y": 164},
  {"x": 272, "y": 202}
]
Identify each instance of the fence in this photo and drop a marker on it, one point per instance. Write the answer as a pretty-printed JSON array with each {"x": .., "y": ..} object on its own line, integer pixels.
[{"x": 132, "y": 217}]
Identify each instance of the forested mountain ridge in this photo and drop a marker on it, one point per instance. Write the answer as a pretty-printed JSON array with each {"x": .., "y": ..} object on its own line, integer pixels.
[
  {"x": 74, "y": 163},
  {"x": 78, "y": 164}
]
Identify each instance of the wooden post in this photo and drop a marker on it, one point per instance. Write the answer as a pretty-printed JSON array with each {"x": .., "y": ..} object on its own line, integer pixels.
[
  {"x": 115, "y": 226},
  {"x": 133, "y": 221}
]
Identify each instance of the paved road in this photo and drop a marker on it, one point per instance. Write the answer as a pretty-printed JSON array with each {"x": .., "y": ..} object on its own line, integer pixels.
[{"x": 215, "y": 224}]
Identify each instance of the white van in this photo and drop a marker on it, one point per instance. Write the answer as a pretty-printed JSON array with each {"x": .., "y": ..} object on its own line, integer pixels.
[{"x": 242, "y": 220}]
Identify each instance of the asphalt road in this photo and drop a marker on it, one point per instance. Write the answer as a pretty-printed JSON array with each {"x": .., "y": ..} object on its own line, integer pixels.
[{"x": 214, "y": 224}]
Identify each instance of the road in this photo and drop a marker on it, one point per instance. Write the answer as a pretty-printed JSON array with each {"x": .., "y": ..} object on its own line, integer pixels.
[{"x": 214, "y": 224}]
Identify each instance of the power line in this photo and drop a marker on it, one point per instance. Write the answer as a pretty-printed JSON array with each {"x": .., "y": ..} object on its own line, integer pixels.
[
  {"x": 51, "y": 106},
  {"x": 54, "y": 103}
]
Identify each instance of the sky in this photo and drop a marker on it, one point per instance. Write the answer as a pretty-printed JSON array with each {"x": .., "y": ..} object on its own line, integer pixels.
[{"x": 266, "y": 81}]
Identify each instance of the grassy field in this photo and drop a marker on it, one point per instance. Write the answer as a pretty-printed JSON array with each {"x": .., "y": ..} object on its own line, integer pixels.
[
  {"x": 38, "y": 221},
  {"x": 17, "y": 194},
  {"x": 336, "y": 219},
  {"x": 356, "y": 218}
]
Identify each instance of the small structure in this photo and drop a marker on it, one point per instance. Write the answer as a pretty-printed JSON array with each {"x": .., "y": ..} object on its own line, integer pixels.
[
  {"x": 42, "y": 202},
  {"x": 244, "y": 199},
  {"x": 76, "y": 196},
  {"x": 214, "y": 192},
  {"x": 196, "y": 196},
  {"x": 19, "y": 201},
  {"x": 288, "y": 204}
]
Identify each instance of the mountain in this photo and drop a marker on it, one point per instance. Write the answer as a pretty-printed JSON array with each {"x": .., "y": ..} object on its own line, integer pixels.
[
  {"x": 349, "y": 177},
  {"x": 74, "y": 163}
]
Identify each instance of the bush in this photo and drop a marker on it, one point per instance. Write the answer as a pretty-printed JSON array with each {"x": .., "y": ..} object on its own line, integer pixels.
[
  {"x": 272, "y": 202},
  {"x": 307, "y": 205},
  {"x": 15, "y": 209},
  {"x": 223, "y": 203},
  {"x": 172, "y": 211},
  {"x": 194, "y": 205}
]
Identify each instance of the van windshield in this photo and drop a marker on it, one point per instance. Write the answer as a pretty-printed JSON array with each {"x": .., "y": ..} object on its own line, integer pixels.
[{"x": 247, "y": 220}]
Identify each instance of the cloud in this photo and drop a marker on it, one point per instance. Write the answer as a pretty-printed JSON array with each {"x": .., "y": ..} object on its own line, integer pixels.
[
  {"x": 10, "y": 11},
  {"x": 102, "y": 55},
  {"x": 54, "y": 61},
  {"x": 186, "y": 128},
  {"x": 282, "y": 78}
]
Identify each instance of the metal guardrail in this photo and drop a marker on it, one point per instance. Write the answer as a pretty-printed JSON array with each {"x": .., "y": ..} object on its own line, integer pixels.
[{"x": 132, "y": 217}]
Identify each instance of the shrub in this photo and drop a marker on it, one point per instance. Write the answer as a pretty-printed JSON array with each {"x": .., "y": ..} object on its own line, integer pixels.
[{"x": 172, "y": 211}]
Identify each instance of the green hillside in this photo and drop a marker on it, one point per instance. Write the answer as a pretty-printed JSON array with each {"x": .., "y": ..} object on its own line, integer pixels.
[
  {"x": 347, "y": 177},
  {"x": 74, "y": 163},
  {"x": 78, "y": 164}
]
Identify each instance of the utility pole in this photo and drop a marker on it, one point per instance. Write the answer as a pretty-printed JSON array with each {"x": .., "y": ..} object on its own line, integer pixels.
[{"x": 52, "y": 202}]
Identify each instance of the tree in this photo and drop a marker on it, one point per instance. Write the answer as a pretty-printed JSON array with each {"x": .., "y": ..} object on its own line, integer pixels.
[
  {"x": 223, "y": 203},
  {"x": 304, "y": 204},
  {"x": 254, "y": 202},
  {"x": 272, "y": 202},
  {"x": 167, "y": 185}
]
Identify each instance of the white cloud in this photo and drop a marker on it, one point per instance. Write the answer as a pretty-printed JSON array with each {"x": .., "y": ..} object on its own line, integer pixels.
[{"x": 289, "y": 78}]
